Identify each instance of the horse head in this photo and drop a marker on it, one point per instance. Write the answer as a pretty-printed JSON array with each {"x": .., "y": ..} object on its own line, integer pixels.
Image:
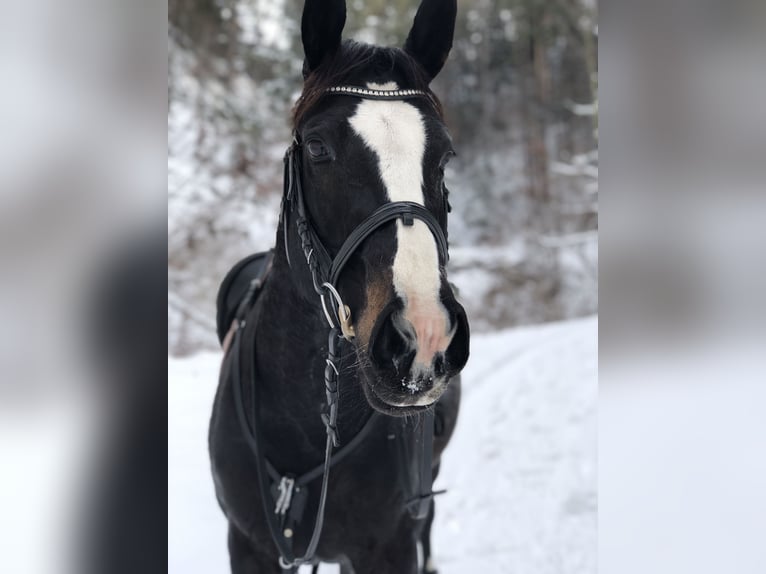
[{"x": 358, "y": 153}]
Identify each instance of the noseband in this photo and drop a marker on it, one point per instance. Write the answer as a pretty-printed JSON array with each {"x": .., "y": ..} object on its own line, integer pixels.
[{"x": 325, "y": 273}]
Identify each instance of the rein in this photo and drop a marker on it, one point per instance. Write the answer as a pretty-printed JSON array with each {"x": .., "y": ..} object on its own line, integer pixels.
[{"x": 325, "y": 272}]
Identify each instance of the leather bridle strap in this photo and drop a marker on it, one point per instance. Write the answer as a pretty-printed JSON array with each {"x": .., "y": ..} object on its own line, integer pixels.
[
  {"x": 287, "y": 559},
  {"x": 406, "y": 210},
  {"x": 420, "y": 505},
  {"x": 314, "y": 251}
]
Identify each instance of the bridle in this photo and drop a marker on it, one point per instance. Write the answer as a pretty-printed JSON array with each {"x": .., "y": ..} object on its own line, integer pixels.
[{"x": 325, "y": 272}]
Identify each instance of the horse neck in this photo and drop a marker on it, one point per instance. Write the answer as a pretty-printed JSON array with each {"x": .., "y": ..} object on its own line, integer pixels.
[{"x": 291, "y": 349}]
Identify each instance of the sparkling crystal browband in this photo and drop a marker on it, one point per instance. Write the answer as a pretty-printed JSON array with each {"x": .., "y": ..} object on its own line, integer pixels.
[{"x": 377, "y": 94}]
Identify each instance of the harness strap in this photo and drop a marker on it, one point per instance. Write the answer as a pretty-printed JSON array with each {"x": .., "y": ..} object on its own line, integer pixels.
[
  {"x": 406, "y": 210},
  {"x": 419, "y": 506},
  {"x": 288, "y": 561},
  {"x": 308, "y": 477},
  {"x": 316, "y": 254}
]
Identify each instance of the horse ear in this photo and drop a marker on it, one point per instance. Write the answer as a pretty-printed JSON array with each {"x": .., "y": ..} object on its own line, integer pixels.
[
  {"x": 430, "y": 39},
  {"x": 321, "y": 28}
]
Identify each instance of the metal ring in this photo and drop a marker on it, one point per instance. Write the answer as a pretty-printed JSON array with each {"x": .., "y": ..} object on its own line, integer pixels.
[
  {"x": 326, "y": 312},
  {"x": 341, "y": 307},
  {"x": 331, "y": 364},
  {"x": 335, "y": 294},
  {"x": 285, "y": 565}
]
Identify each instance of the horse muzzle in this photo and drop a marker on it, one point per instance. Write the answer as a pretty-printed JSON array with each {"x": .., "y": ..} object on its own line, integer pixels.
[{"x": 414, "y": 351}]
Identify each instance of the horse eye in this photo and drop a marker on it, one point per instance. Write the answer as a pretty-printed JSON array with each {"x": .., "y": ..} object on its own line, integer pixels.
[{"x": 317, "y": 149}]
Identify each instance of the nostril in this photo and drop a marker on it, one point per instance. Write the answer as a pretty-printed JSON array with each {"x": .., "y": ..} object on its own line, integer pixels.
[
  {"x": 403, "y": 363},
  {"x": 403, "y": 328},
  {"x": 458, "y": 350},
  {"x": 391, "y": 344},
  {"x": 439, "y": 365}
]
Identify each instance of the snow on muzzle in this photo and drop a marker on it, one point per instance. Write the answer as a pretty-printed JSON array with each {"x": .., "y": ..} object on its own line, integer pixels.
[{"x": 415, "y": 349}]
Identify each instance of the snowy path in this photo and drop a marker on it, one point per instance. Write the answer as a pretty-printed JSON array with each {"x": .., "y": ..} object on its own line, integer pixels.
[{"x": 520, "y": 472}]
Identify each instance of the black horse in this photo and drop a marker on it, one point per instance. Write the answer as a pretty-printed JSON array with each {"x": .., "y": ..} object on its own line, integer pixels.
[{"x": 369, "y": 139}]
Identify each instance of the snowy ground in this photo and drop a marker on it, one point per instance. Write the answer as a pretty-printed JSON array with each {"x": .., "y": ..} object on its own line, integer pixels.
[{"x": 520, "y": 472}]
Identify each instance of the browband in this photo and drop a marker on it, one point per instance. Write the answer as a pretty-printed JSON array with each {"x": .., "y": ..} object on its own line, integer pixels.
[{"x": 371, "y": 94}]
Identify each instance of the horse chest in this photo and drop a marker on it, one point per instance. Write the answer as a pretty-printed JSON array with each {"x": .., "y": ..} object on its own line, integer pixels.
[{"x": 367, "y": 492}]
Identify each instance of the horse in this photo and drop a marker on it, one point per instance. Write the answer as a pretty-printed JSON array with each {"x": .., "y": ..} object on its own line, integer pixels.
[{"x": 361, "y": 253}]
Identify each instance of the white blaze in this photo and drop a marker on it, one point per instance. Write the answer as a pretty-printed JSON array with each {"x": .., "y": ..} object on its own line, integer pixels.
[{"x": 395, "y": 131}]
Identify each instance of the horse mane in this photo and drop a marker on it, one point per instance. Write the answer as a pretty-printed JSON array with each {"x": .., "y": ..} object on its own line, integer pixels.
[{"x": 353, "y": 57}]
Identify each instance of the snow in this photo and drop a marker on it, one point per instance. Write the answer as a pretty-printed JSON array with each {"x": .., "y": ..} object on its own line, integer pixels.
[
  {"x": 520, "y": 471},
  {"x": 46, "y": 445},
  {"x": 681, "y": 449}
]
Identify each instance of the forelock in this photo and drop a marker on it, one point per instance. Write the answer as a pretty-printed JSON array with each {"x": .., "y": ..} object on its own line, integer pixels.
[{"x": 356, "y": 63}]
